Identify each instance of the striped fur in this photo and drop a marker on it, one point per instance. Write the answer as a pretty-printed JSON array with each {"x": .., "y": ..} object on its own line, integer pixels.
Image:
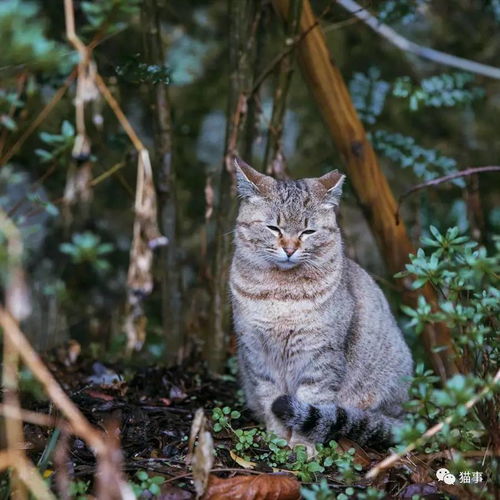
[{"x": 320, "y": 354}]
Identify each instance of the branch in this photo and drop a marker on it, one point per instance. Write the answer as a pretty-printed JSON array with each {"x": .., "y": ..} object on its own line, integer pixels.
[
  {"x": 395, "y": 457},
  {"x": 441, "y": 180},
  {"x": 425, "y": 52}
]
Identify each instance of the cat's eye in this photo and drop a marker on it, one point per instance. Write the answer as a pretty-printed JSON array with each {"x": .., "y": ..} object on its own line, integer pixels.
[
  {"x": 274, "y": 229},
  {"x": 308, "y": 231}
]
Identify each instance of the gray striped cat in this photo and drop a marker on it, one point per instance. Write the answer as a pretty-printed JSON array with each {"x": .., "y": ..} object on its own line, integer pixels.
[{"x": 320, "y": 354}]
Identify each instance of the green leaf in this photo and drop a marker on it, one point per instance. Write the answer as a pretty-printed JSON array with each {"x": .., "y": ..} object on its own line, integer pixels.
[
  {"x": 67, "y": 129},
  {"x": 142, "y": 475}
]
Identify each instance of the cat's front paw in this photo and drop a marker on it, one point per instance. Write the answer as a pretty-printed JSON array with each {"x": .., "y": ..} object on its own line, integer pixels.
[
  {"x": 274, "y": 426},
  {"x": 298, "y": 440}
]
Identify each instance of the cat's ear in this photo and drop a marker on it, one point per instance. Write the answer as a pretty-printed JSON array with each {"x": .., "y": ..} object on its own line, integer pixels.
[
  {"x": 332, "y": 182},
  {"x": 249, "y": 182}
]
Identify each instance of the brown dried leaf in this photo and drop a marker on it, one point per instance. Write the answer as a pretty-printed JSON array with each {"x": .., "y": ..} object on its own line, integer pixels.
[
  {"x": 146, "y": 237},
  {"x": 241, "y": 461},
  {"x": 203, "y": 458},
  {"x": 360, "y": 457},
  {"x": 261, "y": 487}
]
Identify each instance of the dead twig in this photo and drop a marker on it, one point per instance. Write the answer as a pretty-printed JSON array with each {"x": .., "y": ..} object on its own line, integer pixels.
[
  {"x": 441, "y": 180},
  {"x": 396, "y": 457},
  {"x": 28, "y": 474}
]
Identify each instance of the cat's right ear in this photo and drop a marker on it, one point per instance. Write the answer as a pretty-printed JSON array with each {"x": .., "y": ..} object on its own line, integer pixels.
[{"x": 249, "y": 182}]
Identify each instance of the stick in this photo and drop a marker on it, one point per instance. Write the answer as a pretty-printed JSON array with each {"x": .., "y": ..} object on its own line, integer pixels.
[
  {"x": 27, "y": 473},
  {"x": 395, "y": 457},
  {"x": 79, "y": 423},
  {"x": 441, "y": 180},
  {"x": 425, "y": 52},
  {"x": 113, "y": 104}
]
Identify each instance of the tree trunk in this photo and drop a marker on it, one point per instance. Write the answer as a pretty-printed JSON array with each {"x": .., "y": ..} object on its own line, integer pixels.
[
  {"x": 369, "y": 183},
  {"x": 244, "y": 18},
  {"x": 161, "y": 113}
]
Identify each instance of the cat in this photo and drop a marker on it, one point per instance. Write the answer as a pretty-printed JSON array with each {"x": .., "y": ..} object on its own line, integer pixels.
[{"x": 319, "y": 351}]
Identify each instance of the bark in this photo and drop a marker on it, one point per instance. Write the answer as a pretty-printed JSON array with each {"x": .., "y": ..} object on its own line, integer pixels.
[
  {"x": 368, "y": 181},
  {"x": 166, "y": 187},
  {"x": 244, "y": 18}
]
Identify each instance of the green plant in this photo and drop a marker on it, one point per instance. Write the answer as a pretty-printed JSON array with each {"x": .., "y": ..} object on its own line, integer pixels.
[
  {"x": 465, "y": 277},
  {"x": 59, "y": 144},
  {"x": 404, "y": 151},
  {"x": 144, "y": 482},
  {"x": 79, "y": 489},
  {"x": 87, "y": 248},
  {"x": 222, "y": 417},
  {"x": 108, "y": 15},
  {"x": 446, "y": 90},
  {"x": 320, "y": 491}
]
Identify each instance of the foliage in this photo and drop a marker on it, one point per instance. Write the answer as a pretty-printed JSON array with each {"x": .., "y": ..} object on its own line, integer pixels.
[
  {"x": 23, "y": 39},
  {"x": 133, "y": 70},
  {"x": 79, "y": 489},
  {"x": 87, "y": 248},
  {"x": 465, "y": 278},
  {"x": 8, "y": 102},
  {"x": 223, "y": 417},
  {"x": 440, "y": 91},
  {"x": 368, "y": 93},
  {"x": 426, "y": 163},
  {"x": 109, "y": 16},
  {"x": 256, "y": 444},
  {"x": 59, "y": 144},
  {"x": 143, "y": 482}
]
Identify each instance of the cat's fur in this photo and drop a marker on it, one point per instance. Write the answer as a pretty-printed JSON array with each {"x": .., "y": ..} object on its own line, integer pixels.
[{"x": 320, "y": 353}]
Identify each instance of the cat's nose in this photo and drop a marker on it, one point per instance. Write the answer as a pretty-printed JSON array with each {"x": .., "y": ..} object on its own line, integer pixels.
[{"x": 289, "y": 251}]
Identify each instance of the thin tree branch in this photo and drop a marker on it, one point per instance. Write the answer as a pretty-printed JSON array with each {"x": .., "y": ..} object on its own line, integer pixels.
[
  {"x": 395, "y": 457},
  {"x": 441, "y": 180},
  {"x": 425, "y": 52}
]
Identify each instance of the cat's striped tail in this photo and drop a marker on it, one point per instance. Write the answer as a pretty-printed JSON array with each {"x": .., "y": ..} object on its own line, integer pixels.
[{"x": 322, "y": 423}]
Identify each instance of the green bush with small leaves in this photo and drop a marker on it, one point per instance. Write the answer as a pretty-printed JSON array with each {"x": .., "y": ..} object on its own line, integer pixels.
[{"x": 465, "y": 277}]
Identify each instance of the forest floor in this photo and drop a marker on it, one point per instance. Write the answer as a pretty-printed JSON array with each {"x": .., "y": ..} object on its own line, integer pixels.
[{"x": 153, "y": 408}]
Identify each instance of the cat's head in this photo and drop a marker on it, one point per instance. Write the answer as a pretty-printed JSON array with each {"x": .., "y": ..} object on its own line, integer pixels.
[{"x": 286, "y": 224}]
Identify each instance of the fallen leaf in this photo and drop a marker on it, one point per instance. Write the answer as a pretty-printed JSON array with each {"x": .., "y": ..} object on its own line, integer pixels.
[
  {"x": 169, "y": 492},
  {"x": 241, "y": 461},
  {"x": 99, "y": 395},
  {"x": 202, "y": 459},
  {"x": 261, "y": 487},
  {"x": 360, "y": 457}
]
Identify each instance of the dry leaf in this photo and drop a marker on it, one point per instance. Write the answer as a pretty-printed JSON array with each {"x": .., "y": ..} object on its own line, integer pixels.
[
  {"x": 360, "y": 457},
  {"x": 261, "y": 487},
  {"x": 146, "y": 237},
  {"x": 241, "y": 461},
  {"x": 202, "y": 459}
]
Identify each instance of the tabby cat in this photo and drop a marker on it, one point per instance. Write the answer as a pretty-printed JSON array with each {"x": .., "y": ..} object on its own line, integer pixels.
[{"x": 320, "y": 354}]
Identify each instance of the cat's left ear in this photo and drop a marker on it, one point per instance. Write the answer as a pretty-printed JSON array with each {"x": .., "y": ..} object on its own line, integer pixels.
[{"x": 332, "y": 182}]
